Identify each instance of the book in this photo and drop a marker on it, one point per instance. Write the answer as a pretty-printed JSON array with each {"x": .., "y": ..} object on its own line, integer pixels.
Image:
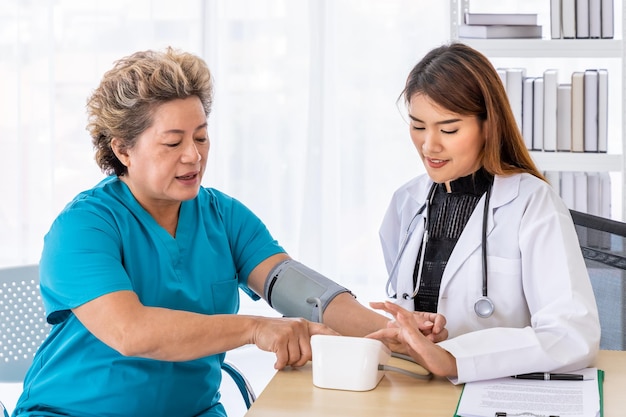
[
  {"x": 581, "y": 18},
  {"x": 538, "y": 114},
  {"x": 555, "y": 19},
  {"x": 499, "y": 31},
  {"x": 568, "y": 19},
  {"x": 520, "y": 397},
  {"x": 513, "y": 86},
  {"x": 603, "y": 110},
  {"x": 607, "y": 11},
  {"x": 604, "y": 242},
  {"x": 595, "y": 238},
  {"x": 502, "y": 74},
  {"x": 594, "y": 193},
  {"x": 595, "y": 19},
  {"x": 550, "y": 93},
  {"x": 578, "y": 114},
  {"x": 527, "y": 111},
  {"x": 591, "y": 110},
  {"x": 567, "y": 189},
  {"x": 500, "y": 18},
  {"x": 554, "y": 179},
  {"x": 580, "y": 201},
  {"x": 580, "y": 192},
  {"x": 605, "y": 184},
  {"x": 564, "y": 118}
]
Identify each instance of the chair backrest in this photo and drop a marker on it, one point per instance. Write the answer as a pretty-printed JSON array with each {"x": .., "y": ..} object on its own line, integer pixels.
[
  {"x": 243, "y": 385},
  {"x": 603, "y": 244},
  {"x": 23, "y": 325}
]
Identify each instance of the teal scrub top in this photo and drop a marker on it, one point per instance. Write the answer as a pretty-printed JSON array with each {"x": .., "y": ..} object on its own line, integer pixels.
[{"x": 104, "y": 241}]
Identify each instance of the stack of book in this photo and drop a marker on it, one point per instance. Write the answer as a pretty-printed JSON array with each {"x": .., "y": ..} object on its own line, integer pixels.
[
  {"x": 587, "y": 192},
  {"x": 561, "y": 117},
  {"x": 500, "y": 26},
  {"x": 581, "y": 19}
]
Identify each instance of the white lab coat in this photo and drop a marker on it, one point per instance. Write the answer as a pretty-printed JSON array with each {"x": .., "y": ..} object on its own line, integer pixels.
[{"x": 545, "y": 318}]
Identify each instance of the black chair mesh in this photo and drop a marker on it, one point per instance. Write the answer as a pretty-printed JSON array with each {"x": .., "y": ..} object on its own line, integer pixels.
[{"x": 603, "y": 245}]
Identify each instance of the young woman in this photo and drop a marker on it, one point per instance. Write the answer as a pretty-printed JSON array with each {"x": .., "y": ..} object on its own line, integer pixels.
[{"x": 481, "y": 238}]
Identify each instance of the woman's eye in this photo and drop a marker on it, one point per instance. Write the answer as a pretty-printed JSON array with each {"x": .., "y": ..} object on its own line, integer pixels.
[
  {"x": 201, "y": 139},
  {"x": 450, "y": 132},
  {"x": 418, "y": 128},
  {"x": 172, "y": 145}
]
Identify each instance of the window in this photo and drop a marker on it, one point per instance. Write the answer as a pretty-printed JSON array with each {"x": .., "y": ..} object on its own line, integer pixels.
[{"x": 305, "y": 128}]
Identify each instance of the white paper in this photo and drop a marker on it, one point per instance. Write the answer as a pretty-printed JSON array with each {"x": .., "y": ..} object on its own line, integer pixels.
[{"x": 514, "y": 396}]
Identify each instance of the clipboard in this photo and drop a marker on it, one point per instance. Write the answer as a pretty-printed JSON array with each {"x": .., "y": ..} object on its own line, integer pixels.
[{"x": 600, "y": 383}]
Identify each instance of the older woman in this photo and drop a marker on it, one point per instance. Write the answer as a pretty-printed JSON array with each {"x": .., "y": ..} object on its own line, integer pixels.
[{"x": 140, "y": 274}]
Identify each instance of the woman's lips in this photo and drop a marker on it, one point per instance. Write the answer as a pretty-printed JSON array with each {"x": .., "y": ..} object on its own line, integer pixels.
[{"x": 436, "y": 163}]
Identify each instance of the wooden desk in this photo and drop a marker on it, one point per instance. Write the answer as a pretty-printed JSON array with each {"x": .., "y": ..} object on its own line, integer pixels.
[{"x": 292, "y": 393}]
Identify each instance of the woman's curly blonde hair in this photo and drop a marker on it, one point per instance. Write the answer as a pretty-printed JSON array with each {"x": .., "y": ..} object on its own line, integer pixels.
[{"x": 123, "y": 105}]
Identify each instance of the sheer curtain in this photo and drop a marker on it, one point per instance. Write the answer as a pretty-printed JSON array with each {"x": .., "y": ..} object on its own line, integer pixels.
[{"x": 305, "y": 129}]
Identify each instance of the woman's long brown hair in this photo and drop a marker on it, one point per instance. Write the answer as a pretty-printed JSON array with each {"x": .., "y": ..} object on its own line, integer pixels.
[{"x": 462, "y": 80}]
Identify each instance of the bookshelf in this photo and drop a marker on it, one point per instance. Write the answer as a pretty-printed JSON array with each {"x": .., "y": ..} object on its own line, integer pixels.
[{"x": 545, "y": 48}]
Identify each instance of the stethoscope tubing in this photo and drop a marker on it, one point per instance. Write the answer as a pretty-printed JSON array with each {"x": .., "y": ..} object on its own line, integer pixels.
[{"x": 483, "y": 307}]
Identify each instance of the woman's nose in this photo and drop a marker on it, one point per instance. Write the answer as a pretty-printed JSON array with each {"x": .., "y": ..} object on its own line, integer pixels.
[
  {"x": 192, "y": 154},
  {"x": 431, "y": 142}
]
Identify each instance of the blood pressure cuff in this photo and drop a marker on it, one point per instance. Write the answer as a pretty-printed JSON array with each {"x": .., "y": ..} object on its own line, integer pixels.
[{"x": 295, "y": 290}]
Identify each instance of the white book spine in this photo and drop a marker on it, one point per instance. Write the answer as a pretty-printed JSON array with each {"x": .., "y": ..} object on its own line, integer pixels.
[
  {"x": 527, "y": 111},
  {"x": 605, "y": 184},
  {"x": 594, "y": 197},
  {"x": 605, "y": 205},
  {"x": 514, "y": 83},
  {"x": 550, "y": 92},
  {"x": 578, "y": 113},
  {"x": 568, "y": 18},
  {"x": 564, "y": 118},
  {"x": 581, "y": 18},
  {"x": 580, "y": 192},
  {"x": 500, "y": 19},
  {"x": 555, "y": 19},
  {"x": 595, "y": 19},
  {"x": 502, "y": 74},
  {"x": 608, "y": 22},
  {"x": 591, "y": 111},
  {"x": 594, "y": 206},
  {"x": 603, "y": 110},
  {"x": 554, "y": 179},
  {"x": 568, "y": 189},
  {"x": 538, "y": 114}
]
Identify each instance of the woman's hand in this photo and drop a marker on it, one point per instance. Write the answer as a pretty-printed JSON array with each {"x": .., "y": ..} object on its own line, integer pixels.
[
  {"x": 416, "y": 334},
  {"x": 432, "y": 325},
  {"x": 288, "y": 338}
]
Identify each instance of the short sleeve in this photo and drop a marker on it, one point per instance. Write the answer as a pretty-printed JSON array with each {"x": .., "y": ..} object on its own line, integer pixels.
[{"x": 81, "y": 260}]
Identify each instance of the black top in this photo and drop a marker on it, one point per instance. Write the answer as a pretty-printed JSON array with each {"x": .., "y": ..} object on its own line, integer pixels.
[{"x": 448, "y": 215}]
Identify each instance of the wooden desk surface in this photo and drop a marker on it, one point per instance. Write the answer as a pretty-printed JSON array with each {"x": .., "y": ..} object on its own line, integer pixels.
[{"x": 291, "y": 393}]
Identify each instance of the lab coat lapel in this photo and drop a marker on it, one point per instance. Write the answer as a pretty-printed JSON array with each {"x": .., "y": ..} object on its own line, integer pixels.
[{"x": 469, "y": 241}]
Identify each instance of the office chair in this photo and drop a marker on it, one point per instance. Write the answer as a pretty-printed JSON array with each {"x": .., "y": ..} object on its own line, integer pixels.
[
  {"x": 244, "y": 386},
  {"x": 23, "y": 324},
  {"x": 23, "y": 327},
  {"x": 603, "y": 244}
]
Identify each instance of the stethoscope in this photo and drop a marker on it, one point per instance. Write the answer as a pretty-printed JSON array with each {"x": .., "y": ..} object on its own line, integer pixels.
[{"x": 483, "y": 307}]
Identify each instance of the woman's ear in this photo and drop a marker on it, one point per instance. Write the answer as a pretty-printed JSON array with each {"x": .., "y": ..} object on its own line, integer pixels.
[{"x": 120, "y": 151}]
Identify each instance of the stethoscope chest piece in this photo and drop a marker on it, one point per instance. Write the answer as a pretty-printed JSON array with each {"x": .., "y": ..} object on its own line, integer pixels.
[{"x": 483, "y": 307}]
